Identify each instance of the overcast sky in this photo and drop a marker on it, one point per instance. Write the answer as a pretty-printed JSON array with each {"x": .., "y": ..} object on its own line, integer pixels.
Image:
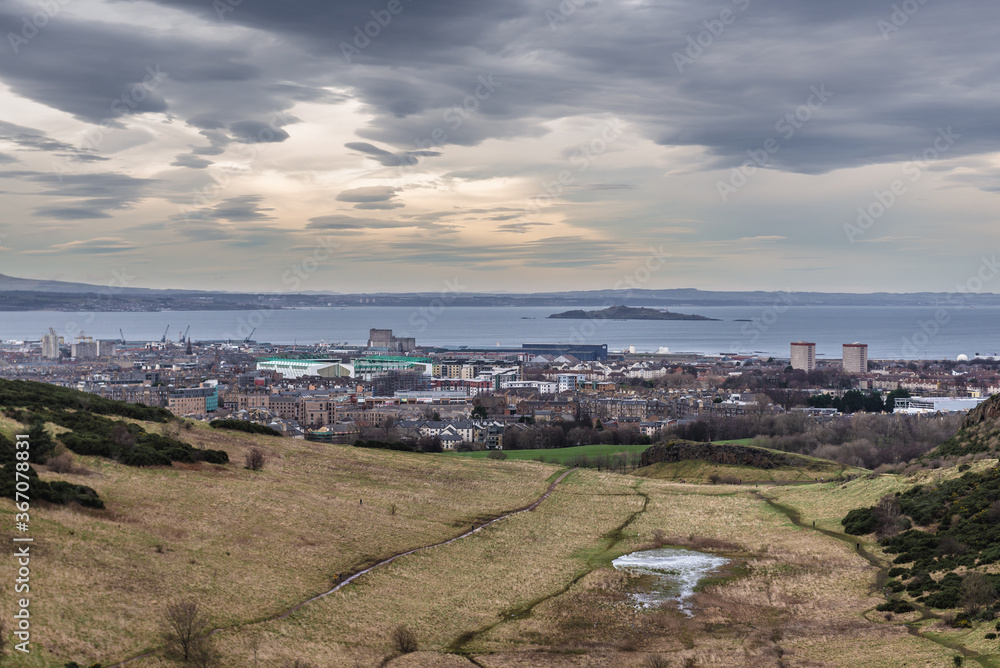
[{"x": 398, "y": 145}]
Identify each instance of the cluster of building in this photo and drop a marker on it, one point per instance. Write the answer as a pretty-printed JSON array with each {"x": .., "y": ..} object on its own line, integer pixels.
[
  {"x": 855, "y": 357},
  {"x": 340, "y": 393}
]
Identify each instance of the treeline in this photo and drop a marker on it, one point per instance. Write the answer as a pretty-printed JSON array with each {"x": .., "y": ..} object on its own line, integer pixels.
[
  {"x": 857, "y": 401},
  {"x": 868, "y": 440},
  {"x": 570, "y": 434}
]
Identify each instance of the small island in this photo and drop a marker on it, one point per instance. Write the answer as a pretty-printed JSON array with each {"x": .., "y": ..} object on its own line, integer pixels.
[{"x": 627, "y": 313}]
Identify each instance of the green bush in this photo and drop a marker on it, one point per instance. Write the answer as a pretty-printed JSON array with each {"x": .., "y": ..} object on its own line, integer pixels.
[
  {"x": 143, "y": 455},
  {"x": 859, "y": 522},
  {"x": 895, "y": 605},
  {"x": 245, "y": 426}
]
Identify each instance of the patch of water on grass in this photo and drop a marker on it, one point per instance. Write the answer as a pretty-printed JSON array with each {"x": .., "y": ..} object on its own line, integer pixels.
[{"x": 675, "y": 574}]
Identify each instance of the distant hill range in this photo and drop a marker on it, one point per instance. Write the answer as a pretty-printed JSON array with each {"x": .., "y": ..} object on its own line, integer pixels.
[
  {"x": 22, "y": 294},
  {"x": 627, "y": 313}
]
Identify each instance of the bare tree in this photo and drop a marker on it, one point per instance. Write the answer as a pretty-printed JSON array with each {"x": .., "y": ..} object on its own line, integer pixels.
[
  {"x": 254, "y": 459},
  {"x": 404, "y": 640},
  {"x": 888, "y": 518},
  {"x": 183, "y": 626},
  {"x": 977, "y": 592}
]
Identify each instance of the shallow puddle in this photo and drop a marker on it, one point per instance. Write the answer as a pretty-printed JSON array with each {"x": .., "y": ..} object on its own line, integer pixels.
[{"x": 674, "y": 572}]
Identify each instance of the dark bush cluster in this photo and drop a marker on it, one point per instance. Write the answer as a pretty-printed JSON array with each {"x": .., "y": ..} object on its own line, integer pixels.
[
  {"x": 58, "y": 491},
  {"x": 244, "y": 426},
  {"x": 895, "y": 605},
  {"x": 36, "y": 396},
  {"x": 963, "y": 515}
]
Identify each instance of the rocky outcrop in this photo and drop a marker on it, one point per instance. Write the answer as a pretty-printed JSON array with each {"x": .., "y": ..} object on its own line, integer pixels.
[
  {"x": 988, "y": 411},
  {"x": 734, "y": 455}
]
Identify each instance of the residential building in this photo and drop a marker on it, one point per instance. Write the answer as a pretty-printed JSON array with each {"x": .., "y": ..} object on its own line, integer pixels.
[
  {"x": 856, "y": 357},
  {"x": 803, "y": 355}
]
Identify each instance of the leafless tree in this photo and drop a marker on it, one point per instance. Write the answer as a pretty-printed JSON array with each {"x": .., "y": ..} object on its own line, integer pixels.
[
  {"x": 977, "y": 592},
  {"x": 183, "y": 627},
  {"x": 404, "y": 640},
  {"x": 254, "y": 459}
]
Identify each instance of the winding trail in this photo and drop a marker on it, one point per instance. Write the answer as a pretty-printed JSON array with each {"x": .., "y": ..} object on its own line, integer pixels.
[
  {"x": 612, "y": 538},
  {"x": 912, "y": 627},
  {"x": 355, "y": 575}
]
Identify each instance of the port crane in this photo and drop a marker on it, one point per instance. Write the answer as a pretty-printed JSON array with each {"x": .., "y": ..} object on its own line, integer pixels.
[
  {"x": 247, "y": 340},
  {"x": 123, "y": 335},
  {"x": 184, "y": 336},
  {"x": 163, "y": 339}
]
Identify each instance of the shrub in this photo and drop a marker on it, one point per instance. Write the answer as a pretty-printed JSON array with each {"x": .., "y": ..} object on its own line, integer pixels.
[
  {"x": 61, "y": 464},
  {"x": 254, "y": 460},
  {"x": 496, "y": 454},
  {"x": 146, "y": 456},
  {"x": 991, "y": 636},
  {"x": 244, "y": 426},
  {"x": 404, "y": 640},
  {"x": 212, "y": 456},
  {"x": 896, "y": 606},
  {"x": 859, "y": 521}
]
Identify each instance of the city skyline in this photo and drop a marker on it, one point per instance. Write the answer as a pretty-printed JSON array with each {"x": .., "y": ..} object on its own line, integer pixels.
[{"x": 523, "y": 147}]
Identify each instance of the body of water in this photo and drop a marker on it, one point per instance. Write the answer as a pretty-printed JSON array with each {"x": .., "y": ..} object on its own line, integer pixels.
[
  {"x": 675, "y": 574},
  {"x": 904, "y": 332}
]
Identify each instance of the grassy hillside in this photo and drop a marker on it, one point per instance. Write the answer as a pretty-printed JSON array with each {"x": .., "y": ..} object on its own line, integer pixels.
[
  {"x": 559, "y": 455},
  {"x": 246, "y": 544}
]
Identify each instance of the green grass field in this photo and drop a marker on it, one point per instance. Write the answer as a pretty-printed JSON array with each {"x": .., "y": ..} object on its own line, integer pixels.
[{"x": 559, "y": 455}]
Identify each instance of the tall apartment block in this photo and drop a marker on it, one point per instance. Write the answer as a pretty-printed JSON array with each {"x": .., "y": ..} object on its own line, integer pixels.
[
  {"x": 856, "y": 357},
  {"x": 803, "y": 355}
]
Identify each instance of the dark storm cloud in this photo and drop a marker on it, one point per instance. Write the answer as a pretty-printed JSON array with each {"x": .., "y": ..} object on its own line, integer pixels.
[
  {"x": 94, "y": 195},
  {"x": 257, "y": 132},
  {"x": 29, "y": 139},
  {"x": 245, "y": 208},
  {"x": 893, "y": 83}
]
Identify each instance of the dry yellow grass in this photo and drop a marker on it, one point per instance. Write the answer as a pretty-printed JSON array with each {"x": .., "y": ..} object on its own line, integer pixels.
[{"x": 245, "y": 544}]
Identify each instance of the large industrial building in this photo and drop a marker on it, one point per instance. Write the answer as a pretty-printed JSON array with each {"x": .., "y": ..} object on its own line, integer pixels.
[
  {"x": 803, "y": 355},
  {"x": 362, "y": 367}
]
